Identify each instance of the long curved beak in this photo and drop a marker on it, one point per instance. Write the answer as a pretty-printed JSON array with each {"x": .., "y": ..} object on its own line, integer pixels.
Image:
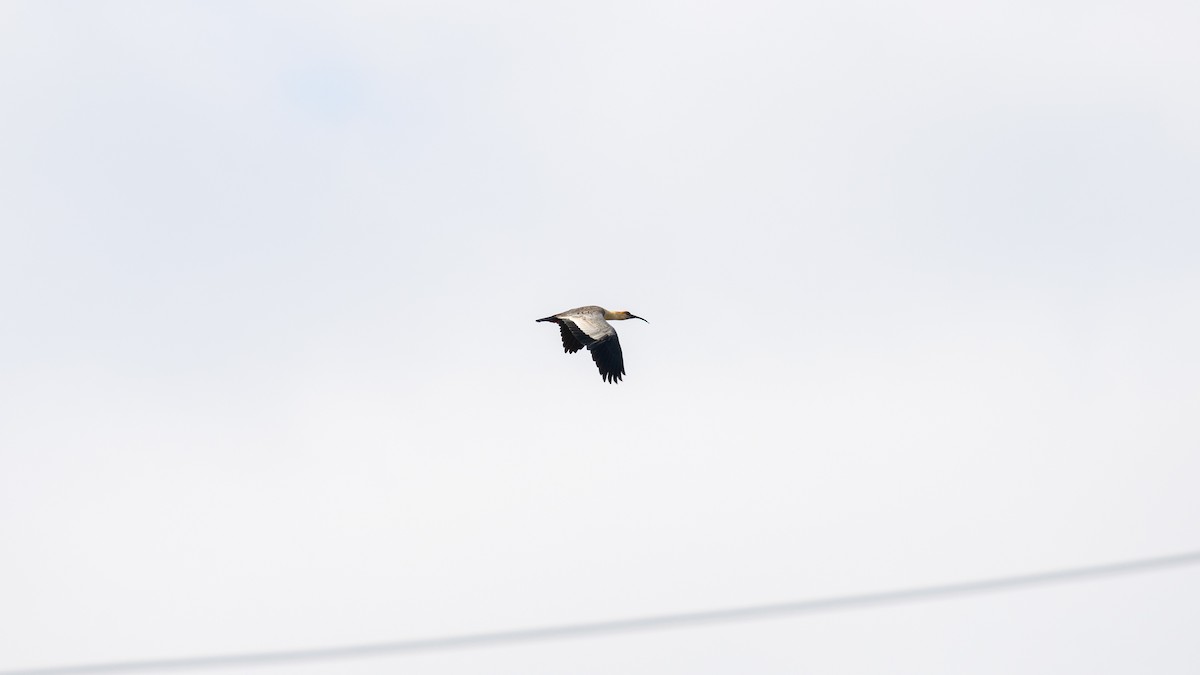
[{"x": 632, "y": 316}]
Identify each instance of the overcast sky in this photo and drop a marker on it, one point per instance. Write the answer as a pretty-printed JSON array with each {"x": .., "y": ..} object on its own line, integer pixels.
[{"x": 922, "y": 281}]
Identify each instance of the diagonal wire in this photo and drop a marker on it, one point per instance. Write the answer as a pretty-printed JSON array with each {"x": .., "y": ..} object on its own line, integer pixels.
[{"x": 815, "y": 606}]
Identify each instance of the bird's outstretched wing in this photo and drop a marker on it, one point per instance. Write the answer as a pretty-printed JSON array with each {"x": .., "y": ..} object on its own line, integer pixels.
[
  {"x": 571, "y": 344},
  {"x": 607, "y": 355},
  {"x": 570, "y": 335}
]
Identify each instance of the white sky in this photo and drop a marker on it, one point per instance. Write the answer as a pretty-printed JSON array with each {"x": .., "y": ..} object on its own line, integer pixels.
[{"x": 922, "y": 282}]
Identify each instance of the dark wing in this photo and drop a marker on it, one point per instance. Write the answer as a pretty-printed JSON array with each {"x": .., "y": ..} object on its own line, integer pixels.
[
  {"x": 607, "y": 355},
  {"x": 571, "y": 343}
]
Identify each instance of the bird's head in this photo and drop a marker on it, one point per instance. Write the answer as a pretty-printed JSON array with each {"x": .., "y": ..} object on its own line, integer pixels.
[{"x": 622, "y": 315}]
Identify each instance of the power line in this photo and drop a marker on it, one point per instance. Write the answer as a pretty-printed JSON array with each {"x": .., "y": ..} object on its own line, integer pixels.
[{"x": 830, "y": 604}]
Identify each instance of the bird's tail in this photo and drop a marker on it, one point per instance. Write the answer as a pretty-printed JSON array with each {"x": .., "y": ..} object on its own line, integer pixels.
[{"x": 550, "y": 319}]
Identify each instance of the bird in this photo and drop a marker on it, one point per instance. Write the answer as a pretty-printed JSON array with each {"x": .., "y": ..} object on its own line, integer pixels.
[{"x": 588, "y": 327}]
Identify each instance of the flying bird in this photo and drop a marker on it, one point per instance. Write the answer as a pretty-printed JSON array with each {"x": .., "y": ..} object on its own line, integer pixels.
[{"x": 588, "y": 327}]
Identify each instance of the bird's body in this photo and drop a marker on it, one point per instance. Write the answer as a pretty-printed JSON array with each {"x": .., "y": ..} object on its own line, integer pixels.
[{"x": 588, "y": 327}]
